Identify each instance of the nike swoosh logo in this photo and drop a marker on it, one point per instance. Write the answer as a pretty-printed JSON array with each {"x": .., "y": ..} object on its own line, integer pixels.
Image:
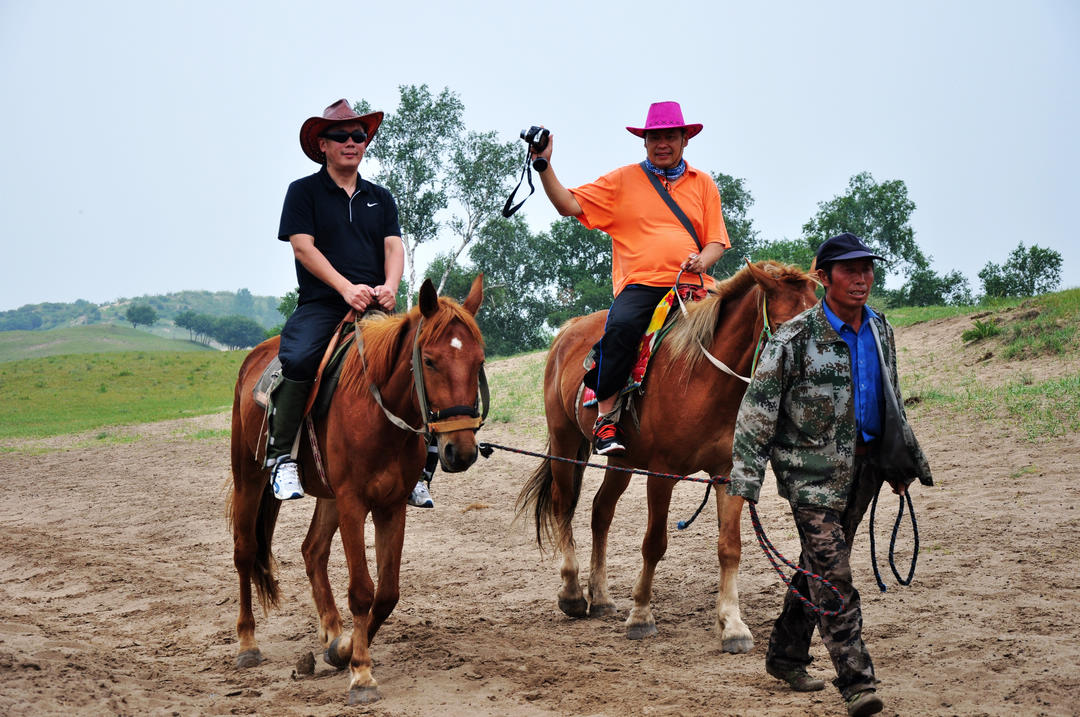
[{"x": 373, "y": 204}]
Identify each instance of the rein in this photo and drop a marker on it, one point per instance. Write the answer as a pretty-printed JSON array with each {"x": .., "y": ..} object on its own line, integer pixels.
[
  {"x": 455, "y": 418},
  {"x": 763, "y": 336},
  {"x": 892, "y": 542},
  {"x": 486, "y": 449}
]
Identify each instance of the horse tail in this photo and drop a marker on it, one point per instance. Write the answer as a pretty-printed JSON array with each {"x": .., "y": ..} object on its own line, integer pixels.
[
  {"x": 263, "y": 574},
  {"x": 536, "y": 495},
  {"x": 264, "y": 568}
]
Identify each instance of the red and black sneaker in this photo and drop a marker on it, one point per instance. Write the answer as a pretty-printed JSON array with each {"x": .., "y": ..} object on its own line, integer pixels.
[{"x": 606, "y": 438}]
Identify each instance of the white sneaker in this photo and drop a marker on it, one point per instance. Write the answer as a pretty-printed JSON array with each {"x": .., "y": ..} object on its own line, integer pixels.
[
  {"x": 420, "y": 497},
  {"x": 285, "y": 480}
]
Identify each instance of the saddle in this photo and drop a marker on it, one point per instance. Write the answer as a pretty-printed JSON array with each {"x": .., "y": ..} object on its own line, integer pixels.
[
  {"x": 661, "y": 322},
  {"x": 326, "y": 378}
]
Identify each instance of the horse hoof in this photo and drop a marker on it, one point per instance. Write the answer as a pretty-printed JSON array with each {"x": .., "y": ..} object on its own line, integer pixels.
[
  {"x": 249, "y": 658},
  {"x": 574, "y": 608},
  {"x": 737, "y": 645},
  {"x": 330, "y": 655},
  {"x": 640, "y": 632},
  {"x": 601, "y": 609},
  {"x": 364, "y": 695}
]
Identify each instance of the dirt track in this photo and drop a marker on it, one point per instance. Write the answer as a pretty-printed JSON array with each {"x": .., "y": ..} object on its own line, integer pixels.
[{"x": 118, "y": 596}]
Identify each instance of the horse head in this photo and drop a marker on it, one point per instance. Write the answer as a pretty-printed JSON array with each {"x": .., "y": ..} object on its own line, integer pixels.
[
  {"x": 788, "y": 290},
  {"x": 450, "y": 353}
]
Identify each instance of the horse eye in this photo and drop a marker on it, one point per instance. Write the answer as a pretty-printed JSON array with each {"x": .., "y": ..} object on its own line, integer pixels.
[{"x": 428, "y": 362}]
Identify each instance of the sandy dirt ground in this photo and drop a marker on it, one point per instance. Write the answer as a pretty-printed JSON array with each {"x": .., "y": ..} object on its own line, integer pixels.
[{"x": 118, "y": 595}]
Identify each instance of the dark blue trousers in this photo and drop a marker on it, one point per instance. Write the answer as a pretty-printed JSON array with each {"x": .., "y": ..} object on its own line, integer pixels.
[
  {"x": 616, "y": 351},
  {"x": 306, "y": 335}
]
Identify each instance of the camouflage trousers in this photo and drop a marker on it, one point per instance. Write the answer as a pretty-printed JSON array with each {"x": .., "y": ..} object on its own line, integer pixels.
[{"x": 826, "y": 538}]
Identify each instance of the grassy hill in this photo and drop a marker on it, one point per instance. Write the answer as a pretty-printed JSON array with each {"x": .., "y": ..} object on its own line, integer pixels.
[
  {"x": 1028, "y": 372},
  {"x": 102, "y": 338}
]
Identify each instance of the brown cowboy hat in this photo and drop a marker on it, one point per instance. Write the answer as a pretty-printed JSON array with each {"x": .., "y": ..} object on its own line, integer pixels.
[{"x": 340, "y": 111}]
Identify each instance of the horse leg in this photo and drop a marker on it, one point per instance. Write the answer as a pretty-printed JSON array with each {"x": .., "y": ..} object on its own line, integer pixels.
[
  {"x": 389, "y": 540},
  {"x": 735, "y": 635},
  {"x": 565, "y": 489},
  {"x": 245, "y": 506},
  {"x": 363, "y": 688},
  {"x": 641, "y": 624},
  {"x": 316, "y": 552},
  {"x": 603, "y": 510}
]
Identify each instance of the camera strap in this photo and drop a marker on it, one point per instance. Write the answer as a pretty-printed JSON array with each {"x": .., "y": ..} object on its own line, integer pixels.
[
  {"x": 526, "y": 174},
  {"x": 672, "y": 204}
]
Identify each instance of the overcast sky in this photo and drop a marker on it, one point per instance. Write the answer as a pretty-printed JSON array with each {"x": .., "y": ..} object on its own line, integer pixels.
[{"x": 147, "y": 146}]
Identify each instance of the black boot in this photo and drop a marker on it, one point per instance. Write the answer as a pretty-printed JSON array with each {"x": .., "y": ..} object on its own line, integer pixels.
[{"x": 287, "y": 402}]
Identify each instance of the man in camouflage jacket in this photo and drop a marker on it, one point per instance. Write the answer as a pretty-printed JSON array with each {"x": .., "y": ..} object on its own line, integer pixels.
[{"x": 823, "y": 402}]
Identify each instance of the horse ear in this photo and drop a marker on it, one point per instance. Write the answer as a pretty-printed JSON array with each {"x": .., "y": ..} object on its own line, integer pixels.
[
  {"x": 429, "y": 300},
  {"x": 476, "y": 295},
  {"x": 763, "y": 278}
]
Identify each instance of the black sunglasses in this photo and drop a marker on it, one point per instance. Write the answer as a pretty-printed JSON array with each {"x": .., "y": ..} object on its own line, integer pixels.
[{"x": 339, "y": 135}]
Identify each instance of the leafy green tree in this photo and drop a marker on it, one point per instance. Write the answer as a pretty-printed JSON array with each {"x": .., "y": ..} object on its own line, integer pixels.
[
  {"x": 788, "y": 251},
  {"x": 514, "y": 309},
  {"x": 1026, "y": 272},
  {"x": 479, "y": 176},
  {"x": 411, "y": 148},
  {"x": 244, "y": 303},
  {"x": 926, "y": 288},
  {"x": 879, "y": 214},
  {"x": 141, "y": 314},
  {"x": 186, "y": 320},
  {"x": 287, "y": 305},
  {"x": 736, "y": 201},
  {"x": 575, "y": 270},
  {"x": 237, "y": 331}
]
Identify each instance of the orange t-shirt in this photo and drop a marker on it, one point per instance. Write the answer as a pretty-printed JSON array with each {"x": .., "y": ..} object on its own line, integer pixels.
[{"x": 648, "y": 242}]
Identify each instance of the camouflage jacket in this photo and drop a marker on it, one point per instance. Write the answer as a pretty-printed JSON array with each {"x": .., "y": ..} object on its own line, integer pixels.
[{"x": 799, "y": 411}]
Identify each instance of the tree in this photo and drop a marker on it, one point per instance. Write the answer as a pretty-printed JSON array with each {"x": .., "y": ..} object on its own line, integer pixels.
[
  {"x": 411, "y": 149},
  {"x": 478, "y": 177},
  {"x": 287, "y": 305},
  {"x": 244, "y": 303},
  {"x": 736, "y": 201},
  {"x": 187, "y": 320},
  {"x": 141, "y": 314},
  {"x": 925, "y": 288},
  {"x": 512, "y": 315},
  {"x": 1026, "y": 272},
  {"x": 879, "y": 214},
  {"x": 575, "y": 270},
  {"x": 799, "y": 252},
  {"x": 237, "y": 331}
]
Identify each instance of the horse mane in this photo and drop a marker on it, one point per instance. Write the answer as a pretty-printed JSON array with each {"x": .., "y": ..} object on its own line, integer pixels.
[
  {"x": 703, "y": 316},
  {"x": 384, "y": 335}
]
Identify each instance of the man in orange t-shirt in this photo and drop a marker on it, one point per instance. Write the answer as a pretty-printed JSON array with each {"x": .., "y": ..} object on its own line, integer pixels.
[{"x": 650, "y": 245}]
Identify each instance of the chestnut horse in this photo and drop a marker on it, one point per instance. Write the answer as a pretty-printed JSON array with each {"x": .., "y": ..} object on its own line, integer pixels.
[
  {"x": 686, "y": 424},
  {"x": 371, "y": 465}
]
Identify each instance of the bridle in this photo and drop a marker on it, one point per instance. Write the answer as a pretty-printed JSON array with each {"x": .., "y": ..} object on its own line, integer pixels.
[{"x": 447, "y": 420}]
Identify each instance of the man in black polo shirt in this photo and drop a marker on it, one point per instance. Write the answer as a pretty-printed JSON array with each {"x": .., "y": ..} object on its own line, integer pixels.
[{"x": 346, "y": 238}]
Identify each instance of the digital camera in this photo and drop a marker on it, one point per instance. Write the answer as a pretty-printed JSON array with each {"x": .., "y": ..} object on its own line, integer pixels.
[{"x": 537, "y": 137}]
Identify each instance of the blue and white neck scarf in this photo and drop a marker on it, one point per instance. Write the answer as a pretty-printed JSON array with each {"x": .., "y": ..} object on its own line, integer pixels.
[{"x": 669, "y": 174}]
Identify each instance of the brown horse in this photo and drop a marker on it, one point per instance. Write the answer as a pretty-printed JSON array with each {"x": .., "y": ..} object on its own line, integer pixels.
[
  {"x": 687, "y": 423},
  {"x": 371, "y": 465}
]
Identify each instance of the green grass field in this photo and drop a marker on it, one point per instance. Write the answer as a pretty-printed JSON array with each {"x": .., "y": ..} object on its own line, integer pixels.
[
  {"x": 77, "y": 392},
  {"x": 100, "y": 338},
  {"x": 100, "y": 381}
]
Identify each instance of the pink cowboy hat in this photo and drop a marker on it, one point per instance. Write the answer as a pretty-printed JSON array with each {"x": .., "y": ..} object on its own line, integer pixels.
[
  {"x": 665, "y": 115},
  {"x": 340, "y": 111}
]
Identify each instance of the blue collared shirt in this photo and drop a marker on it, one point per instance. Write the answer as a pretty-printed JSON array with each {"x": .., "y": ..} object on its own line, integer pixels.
[{"x": 865, "y": 372}]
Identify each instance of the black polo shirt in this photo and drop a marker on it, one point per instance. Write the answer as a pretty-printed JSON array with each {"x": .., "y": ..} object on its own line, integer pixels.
[{"x": 349, "y": 231}]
